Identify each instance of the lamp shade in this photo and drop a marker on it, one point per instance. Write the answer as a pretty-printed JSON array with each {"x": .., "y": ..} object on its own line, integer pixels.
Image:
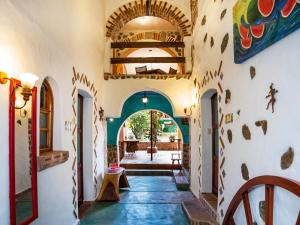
[{"x": 28, "y": 80}]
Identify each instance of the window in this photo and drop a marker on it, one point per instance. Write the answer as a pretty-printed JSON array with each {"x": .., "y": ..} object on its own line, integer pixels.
[{"x": 46, "y": 117}]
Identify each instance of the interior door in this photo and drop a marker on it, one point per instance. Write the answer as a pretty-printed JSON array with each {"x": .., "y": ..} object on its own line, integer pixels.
[
  {"x": 215, "y": 143},
  {"x": 80, "y": 148}
]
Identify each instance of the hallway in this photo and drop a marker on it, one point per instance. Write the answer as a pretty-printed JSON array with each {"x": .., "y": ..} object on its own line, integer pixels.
[{"x": 150, "y": 200}]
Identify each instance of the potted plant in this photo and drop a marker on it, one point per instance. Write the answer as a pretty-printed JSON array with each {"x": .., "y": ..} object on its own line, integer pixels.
[{"x": 172, "y": 138}]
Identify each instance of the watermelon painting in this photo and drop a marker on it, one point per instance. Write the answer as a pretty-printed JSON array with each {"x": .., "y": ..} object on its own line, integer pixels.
[{"x": 257, "y": 24}]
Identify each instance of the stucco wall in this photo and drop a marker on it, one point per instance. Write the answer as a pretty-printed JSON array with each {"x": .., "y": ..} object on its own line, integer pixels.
[
  {"x": 262, "y": 154},
  {"x": 48, "y": 38}
]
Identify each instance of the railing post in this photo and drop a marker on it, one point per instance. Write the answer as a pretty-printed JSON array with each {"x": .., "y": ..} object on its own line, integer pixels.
[{"x": 269, "y": 197}]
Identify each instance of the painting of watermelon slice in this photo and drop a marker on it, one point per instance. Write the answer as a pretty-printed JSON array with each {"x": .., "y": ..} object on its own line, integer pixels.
[{"x": 257, "y": 24}]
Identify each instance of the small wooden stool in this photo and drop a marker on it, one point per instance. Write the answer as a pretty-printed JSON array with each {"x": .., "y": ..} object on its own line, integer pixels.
[
  {"x": 111, "y": 184},
  {"x": 176, "y": 157}
]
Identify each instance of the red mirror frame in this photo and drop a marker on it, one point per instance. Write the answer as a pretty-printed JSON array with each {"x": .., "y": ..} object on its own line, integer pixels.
[{"x": 12, "y": 181}]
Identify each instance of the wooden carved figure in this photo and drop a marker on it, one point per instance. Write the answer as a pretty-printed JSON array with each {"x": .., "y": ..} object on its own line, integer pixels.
[{"x": 272, "y": 98}]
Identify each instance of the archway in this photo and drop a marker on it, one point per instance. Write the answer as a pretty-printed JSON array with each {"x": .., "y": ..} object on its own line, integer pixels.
[
  {"x": 142, "y": 8},
  {"x": 135, "y": 140},
  {"x": 210, "y": 140},
  {"x": 134, "y": 104}
]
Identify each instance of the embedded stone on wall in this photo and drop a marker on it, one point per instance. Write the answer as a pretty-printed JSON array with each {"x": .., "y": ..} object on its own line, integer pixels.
[
  {"x": 203, "y": 21},
  {"x": 263, "y": 124},
  {"x": 245, "y": 171},
  {"x": 229, "y": 136},
  {"x": 246, "y": 132},
  {"x": 227, "y": 96},
  {"x": 112, "y": 154},
  {"x": 287, "y": 159},
  {"x": 252, "y": 72},
  {"x": 224, "y": 43},
  {"x": 223, "y": 14},
  {"x": 186, "y": 156},
  {"x": 262, "y": 210}
]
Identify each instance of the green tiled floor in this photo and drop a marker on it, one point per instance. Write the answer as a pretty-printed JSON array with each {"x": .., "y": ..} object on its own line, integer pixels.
[{"x": 151, "y": 200}]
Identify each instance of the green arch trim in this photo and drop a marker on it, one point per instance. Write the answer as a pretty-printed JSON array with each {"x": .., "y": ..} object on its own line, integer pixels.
[{"x": 134, "y": 104}]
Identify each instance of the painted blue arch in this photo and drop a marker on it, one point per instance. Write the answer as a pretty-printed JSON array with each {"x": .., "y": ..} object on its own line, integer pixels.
[{"x": 134, "y": 104}]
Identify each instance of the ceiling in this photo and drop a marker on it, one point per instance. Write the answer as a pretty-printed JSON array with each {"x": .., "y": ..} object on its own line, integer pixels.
[{"x": 148, "y": 23}]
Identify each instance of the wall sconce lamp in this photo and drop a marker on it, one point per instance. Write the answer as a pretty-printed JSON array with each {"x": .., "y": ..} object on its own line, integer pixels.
[
  {"x": 145, "y": 99},
  {"x": 28, "y": 81},
  {"x": 101, "y": 114},
  {"x": 190, "y": 109}
]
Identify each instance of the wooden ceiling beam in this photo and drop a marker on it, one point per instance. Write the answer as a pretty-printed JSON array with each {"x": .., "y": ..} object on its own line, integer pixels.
[
  {"x": 122, "y": 45},
  {"x": 131, "y": 60}
]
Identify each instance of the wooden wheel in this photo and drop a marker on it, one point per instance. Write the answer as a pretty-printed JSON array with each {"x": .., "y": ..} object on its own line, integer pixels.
[{"x": 243, "y": 196}]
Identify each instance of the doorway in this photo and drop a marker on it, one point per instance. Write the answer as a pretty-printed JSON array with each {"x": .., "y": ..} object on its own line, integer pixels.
[
  {"x": 148, "y": 139},
  {"x": 80, "y": 149},
  {"x": 215, "y": 143}
]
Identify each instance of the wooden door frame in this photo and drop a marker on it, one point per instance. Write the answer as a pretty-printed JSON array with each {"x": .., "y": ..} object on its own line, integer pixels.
[
  {"x": 81, "y": 99},
  {"x": 215, "y": 126}
]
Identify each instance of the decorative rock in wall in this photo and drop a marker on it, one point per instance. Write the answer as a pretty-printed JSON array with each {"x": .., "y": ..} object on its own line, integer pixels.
[
  {"x": 229, "y": 135},
  {"x": 238, "y": 112},
  {"x": 252, "y": 72},
  {"x": 287, "y": 159},
  {"x": 203, "y": 21},
  {"x": 224, "y": 43},
  {"x": 262, "y": 210},
  {"x": 227, "y": 96},
  {"x": 245, "y": 171},
  {"x": 263, "y": 124},
  {"x": 223, "y": 14},
  {"x": 212, "y": 42},
  {"x": 246, "y": 132}
]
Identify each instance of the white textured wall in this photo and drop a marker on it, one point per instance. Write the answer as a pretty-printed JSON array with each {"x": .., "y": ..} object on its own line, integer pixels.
[
  {"x": 48, "y": 38},
  {"x": 116, "y": 92},
  {"x": 278, "y": 64}
]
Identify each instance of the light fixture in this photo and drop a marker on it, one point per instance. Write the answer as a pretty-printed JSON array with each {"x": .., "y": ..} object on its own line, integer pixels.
[
  {"x": 185, "y": 110},
  {"x": 145, "y": 99},
  {"x": 28, "y": 81},
  {"x": 101, "y": 113},
  {"x": 111, "y": 120}
]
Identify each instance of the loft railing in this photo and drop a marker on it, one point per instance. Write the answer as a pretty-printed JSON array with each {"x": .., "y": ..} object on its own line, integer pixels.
[{"x": 243, "y": 196}]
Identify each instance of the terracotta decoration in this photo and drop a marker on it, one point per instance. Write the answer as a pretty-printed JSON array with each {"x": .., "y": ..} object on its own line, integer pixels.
[
  {"x": 245, "y": 171},
  {"x": 246, "y": 132},
  {"x": 229, "y": 118},
  {"x": 263, "y": 124},
  {"x": 257, "y": 24},
  {"x": 252, "y": 72},
  {"x": 287, "y": 159},
  {"x": 271, "y": 96}
]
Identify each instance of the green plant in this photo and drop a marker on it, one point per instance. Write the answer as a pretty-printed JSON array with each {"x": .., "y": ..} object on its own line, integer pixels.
[{"x": 138, "y": 123}]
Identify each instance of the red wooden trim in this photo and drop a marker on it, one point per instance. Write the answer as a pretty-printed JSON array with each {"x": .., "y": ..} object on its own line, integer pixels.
[
  {"x": 290, "y": 185},
  {"x": 247, "y": 208},
  {"x": 231, "y": 221},
  {"x": 298, "y": 220},
  {"x": 12, "y": 178},
  {"x": 269, "y": 196}
]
